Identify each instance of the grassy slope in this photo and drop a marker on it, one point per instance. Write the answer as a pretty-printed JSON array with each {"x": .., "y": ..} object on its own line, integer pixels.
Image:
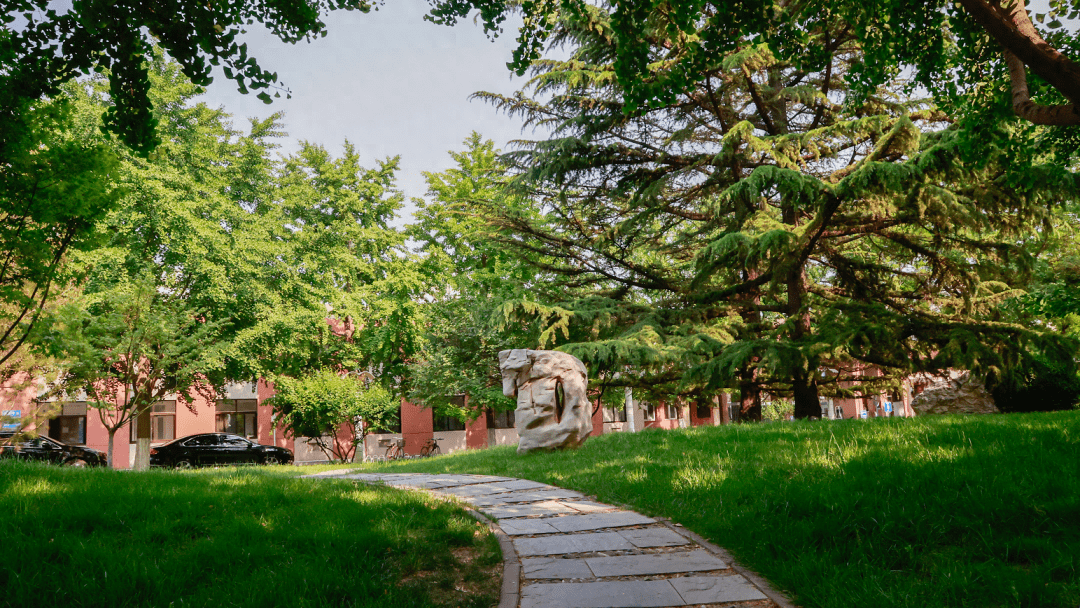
[
  {"x": 935, "y": 511},
  {"x": 232, "y": 537}
]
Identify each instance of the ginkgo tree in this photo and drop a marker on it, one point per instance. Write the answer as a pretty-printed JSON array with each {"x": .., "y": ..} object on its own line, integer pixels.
[{"x": 249, "y": 255}]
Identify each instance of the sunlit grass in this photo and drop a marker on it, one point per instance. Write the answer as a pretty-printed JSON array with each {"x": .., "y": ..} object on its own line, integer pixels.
[
  {"x": 233, "y": 537},
  {"x": 933, "y": 511}
]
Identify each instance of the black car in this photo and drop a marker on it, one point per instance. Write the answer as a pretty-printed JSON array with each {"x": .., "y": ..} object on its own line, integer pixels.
[
  {"x": 47, "y": 449},
  {"x": 208, "y": 449}
]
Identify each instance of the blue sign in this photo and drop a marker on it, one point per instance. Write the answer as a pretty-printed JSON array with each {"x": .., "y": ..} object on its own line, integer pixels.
[
  {"x": 9, "y": 414},
  {"x": 888, "y": 407},
  {"x": 864, "y": 414}
]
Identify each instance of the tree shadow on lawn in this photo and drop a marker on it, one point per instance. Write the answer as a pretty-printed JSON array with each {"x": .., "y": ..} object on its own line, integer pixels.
[{"x": 228, "y": 537}]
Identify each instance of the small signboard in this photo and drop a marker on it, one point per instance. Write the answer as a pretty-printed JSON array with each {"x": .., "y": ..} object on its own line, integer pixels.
[
  {"x": 864, "y": 414},
  {"x": 888, "y": 407},
  {"x": 11, "y": 420}
]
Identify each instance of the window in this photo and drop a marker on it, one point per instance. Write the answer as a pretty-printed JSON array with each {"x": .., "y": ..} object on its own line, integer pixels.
[
  {"x": 500, "y": 420},
  {"x": 650, "y": 411},
  {"x": 447, "y": 423},
  {"x": 238, "y": 416},
  {"x": 162, "y": 422},
  {"x": 704, "y": 410},
  {"x": 671, "y": 411},
  {"x": 70, "y": 425},
  {"x": 615, "y": 414},
  {"x": 235, "y": 442}
]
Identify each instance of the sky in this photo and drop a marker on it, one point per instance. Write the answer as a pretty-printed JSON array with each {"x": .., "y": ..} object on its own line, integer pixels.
[{"x": 389, "y": 82}]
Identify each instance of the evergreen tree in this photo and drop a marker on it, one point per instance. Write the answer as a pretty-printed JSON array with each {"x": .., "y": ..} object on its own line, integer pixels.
[{"x": 766, "y": 227}]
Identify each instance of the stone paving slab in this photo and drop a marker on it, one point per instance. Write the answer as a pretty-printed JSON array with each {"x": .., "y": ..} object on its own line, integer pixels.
[
  {"x": 598, "y": 521},
  {"x": 481, "y": 489},
  {"x": 548, "y": 507},
  {"x": 716, "y": 589},
  {"x": 699, "y": 560},
  {"x": 654, "y": 537},
  {"x": 526, "y": 527},
  {"x": 524, "y": 496},
  {"x": 587, "y": 506},
  {"x": 572, "y": 543},
  {"x": 606, "y": 594},
  {"x": 554, "y": 567},
  {"x": 519, "y": 484}
]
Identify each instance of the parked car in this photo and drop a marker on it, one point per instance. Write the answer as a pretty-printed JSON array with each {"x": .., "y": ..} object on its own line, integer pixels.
[
  {"x": 47, "y": 449},
  {"x": 208, "y": 449}
]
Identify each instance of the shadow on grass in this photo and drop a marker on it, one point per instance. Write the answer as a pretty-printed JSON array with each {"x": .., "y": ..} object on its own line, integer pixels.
[{"x": 227, "y": 537}]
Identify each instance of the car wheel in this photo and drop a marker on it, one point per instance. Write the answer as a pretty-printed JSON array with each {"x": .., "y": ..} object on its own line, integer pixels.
[
  {"x": 76, "y": 462},
  {"x": 272, "y": 460},
  {"x": 184, "y": 464}
]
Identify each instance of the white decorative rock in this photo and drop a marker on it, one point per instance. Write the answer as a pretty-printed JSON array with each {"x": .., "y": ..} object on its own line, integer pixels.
[{"x": 553, "y": 410}]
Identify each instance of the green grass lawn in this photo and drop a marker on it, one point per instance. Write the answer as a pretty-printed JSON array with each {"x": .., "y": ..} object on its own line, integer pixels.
[
  {"x": 976, "y": 511},
  {"x": 233, "y": 537}
]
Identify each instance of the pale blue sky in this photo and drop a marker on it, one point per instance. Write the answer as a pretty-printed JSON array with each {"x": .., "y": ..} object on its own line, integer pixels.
[{"x": 390, "y": 82}]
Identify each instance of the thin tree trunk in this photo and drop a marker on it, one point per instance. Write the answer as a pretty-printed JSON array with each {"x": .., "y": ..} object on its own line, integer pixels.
[{"x": 112, "y": 435}]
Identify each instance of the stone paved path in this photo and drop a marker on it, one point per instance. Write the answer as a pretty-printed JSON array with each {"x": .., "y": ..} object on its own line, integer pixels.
[{"x": 564, "y": 550}]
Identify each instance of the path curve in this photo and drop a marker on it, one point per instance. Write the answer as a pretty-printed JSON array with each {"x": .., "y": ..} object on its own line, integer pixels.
[{"x": 561, "y": 549}]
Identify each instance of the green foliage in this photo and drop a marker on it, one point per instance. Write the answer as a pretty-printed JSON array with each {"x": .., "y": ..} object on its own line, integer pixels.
[
  {"x": 326, "y": 405},
  {"x": 953, "y": 49},
  {"x": 53, "y": 182},
  {"x": 1042, "y": 386},
  {"x": 777, "y": 410},
  {"x": 468, "y": 275},
  {"x": 42, "y": 48},
  {"x": 215, "y": 231}
]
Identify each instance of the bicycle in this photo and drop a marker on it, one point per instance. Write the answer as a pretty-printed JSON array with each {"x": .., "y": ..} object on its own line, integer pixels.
[
  {"x": 431, "y": 448},
  {"x": 396, "y": 450}
]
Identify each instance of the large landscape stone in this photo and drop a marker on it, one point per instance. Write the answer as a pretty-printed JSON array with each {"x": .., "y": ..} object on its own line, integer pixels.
[
  {"x": 661, "y": 563},
  {"x": 953, "y": 392},
  {"x": 572, "y": 543},
  {"x": 553, "y": 410},
  {"x": 614, "y": 594},
  {"x": 716, "y": 589}
]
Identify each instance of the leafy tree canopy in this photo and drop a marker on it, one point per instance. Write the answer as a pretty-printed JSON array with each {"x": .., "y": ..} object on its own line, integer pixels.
[
  {"x": 42, "y": 47},
  {"x": 968, "y": 46}
]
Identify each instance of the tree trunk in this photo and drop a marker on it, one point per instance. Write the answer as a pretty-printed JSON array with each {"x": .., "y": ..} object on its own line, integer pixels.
[
  {"x": 805, "y": 392},
  {"x": 749, "y": 397},
  {"x": 142, "y": 441},
  {"x": 112, "y": 436}
]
